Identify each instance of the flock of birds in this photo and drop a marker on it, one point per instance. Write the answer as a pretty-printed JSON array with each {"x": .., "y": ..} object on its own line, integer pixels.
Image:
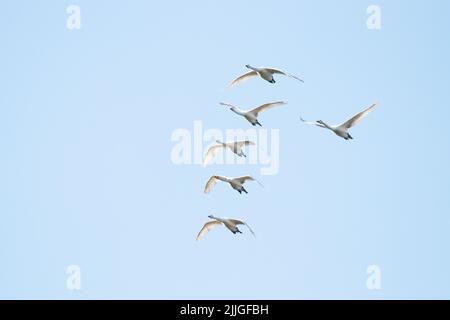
[{"x": 237, "y": 147}]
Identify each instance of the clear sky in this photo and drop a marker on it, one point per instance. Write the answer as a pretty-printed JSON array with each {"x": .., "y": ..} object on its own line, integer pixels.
[{"x": 86, "y": 176}]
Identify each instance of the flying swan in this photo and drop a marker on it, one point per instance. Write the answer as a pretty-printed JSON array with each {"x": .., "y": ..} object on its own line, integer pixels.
[
  {"x": 236, "y": 147},
  {"x": 252, "y": 115},
  {"x": 341, "y": 130},
  {"x": 236, "y": 183},
  {"x": 231, "y": 224},
  {"x": 263, "y": 72}
]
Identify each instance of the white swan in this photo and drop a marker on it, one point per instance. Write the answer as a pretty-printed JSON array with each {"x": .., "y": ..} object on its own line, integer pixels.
[
  {"x": 341, "y": 130},
  {"x": 252, "y": 115},
  {"x": 263, "y": 72},
  {"x": 236, "y": 183},
  {"x": 236, "y": 147},
  {"x": 231, "y": 224}
]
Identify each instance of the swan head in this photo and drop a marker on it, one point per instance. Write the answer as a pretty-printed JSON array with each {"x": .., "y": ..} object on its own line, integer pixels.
[
  {"x": 321, "y": 122},
  {"x": 211, "y": 216},
  {"x": 219, "y": 142}
]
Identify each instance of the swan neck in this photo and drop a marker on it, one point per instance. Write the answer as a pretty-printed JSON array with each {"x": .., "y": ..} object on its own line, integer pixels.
[
  {"x": 217, "y": 219},
  {"x": 237, "y": 111},
  {"x": 327, "y": 126}
]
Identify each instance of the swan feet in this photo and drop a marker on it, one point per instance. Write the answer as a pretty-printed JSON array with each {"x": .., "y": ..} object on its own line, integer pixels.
[
  {"x": 243, "y": 190},
  {"x": 237, "y": 231}
]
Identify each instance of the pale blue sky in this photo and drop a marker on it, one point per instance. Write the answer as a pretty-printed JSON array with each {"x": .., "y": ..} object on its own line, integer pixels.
[{"x": 86, "y": 177}]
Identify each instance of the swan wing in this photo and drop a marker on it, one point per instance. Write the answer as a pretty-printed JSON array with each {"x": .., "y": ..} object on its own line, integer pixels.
[
  {"x": 278, "y": 71},
  {"x": 238, "y": 222},
  {"x": 242, "y": 78},
  {"x": 357, "y": 117},
  {"x": 206, "y": 228},
  {"x": 212, "y": 151},
  {"x": 211, "y": 183},
  {"x": 243, "y": 179},
  {"x": 266, "y": 106}
]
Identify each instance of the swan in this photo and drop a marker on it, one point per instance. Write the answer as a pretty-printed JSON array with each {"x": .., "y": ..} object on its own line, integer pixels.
[
  {"x": 231, "y": 224},
  {"x": 263, "y": 72},
  {"x": 252, "y": 115},
  {"x": 236, "y": 147},
  {"x": 235, "y": 183},
  {"x": 341, "y": 130}
]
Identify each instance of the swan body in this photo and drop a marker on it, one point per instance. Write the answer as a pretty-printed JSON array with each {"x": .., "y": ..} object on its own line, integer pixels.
[
  {"x": 231, "y": 225},
  {"x": 252, "y": 115},
  {"x": 341, "y": 130},
  {"x": 236, "y": 183},
  {"x": 262, "y": 72},
  {"x": 236, "y": 147}
]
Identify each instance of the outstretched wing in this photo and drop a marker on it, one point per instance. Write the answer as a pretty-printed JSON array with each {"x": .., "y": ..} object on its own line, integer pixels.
[
  {"x": 312, "y": 123},
  {"x": 212, "y": 151},
  {"x": 243, "y": 179},
  {"x": 211, "y": 183},
  {"x": 238, "y": 222},
  {"x": 358, "y": 117},
  {"x": 278, "y": 71},
  {"x": 242, "y": 78},
  {"x": 208, "y": 226},
  {"x": 266, "y": 106}
]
